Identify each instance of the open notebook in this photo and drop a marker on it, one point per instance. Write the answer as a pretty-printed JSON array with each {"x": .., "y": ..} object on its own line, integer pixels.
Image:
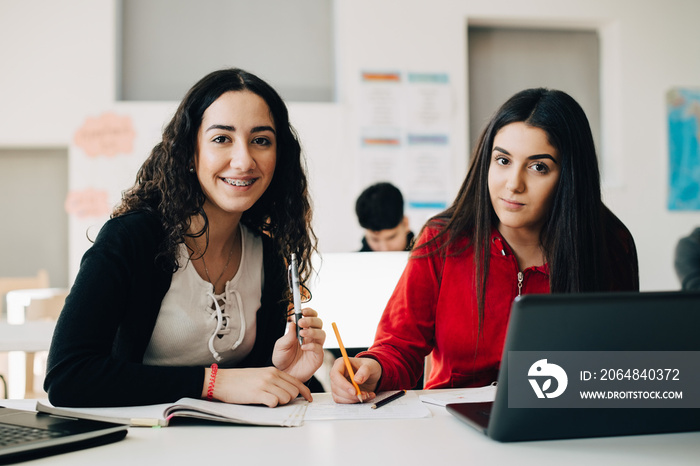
[{"x": 291, "y": 415}]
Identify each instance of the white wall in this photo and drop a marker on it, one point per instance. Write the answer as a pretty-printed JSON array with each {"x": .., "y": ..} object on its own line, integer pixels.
[
  {"x": 56, "y": 60},
  {"x": 58, "y": 64}
]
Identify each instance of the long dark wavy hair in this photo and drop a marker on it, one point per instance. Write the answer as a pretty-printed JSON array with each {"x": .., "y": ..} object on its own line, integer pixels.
[
  {"x": 580, "y": 233},
  {"x": 165, "y": 186}
]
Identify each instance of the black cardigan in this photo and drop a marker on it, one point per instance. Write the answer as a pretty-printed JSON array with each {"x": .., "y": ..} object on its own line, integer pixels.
[{"x": 106, "y": 324}]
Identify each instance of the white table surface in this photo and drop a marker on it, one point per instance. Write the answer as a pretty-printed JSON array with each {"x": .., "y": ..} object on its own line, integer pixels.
[
  {"x": 440, "y": 440},
  {"x": 29, "y": 336}
]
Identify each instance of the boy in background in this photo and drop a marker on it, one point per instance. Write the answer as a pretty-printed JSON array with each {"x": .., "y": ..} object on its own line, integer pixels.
[{"x": 379, "y": 210}]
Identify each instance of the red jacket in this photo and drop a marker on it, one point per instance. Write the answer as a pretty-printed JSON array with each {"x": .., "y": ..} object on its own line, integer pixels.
[{"x": 434, "y": 308}]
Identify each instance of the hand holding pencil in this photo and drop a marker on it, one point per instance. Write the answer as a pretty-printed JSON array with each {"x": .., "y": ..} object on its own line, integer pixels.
[{"x": 353, "y": 379}]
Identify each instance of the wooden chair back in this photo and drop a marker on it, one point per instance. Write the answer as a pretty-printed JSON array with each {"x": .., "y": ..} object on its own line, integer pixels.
[{"x": 7, "y": 284}]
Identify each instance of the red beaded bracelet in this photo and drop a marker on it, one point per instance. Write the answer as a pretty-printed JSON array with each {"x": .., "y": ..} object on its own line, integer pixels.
[{"x": 212, "y": 381}]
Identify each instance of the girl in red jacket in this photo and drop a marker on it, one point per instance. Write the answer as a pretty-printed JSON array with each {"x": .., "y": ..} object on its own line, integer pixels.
[{"x": 527, "y": 219}]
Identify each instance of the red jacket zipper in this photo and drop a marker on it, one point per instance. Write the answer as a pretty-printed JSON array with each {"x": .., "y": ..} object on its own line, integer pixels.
[{"x": 499, "y": 245}]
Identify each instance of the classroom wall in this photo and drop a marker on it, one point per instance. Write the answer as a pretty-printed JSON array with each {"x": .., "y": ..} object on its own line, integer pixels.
[{"x": 58, "y": 64}]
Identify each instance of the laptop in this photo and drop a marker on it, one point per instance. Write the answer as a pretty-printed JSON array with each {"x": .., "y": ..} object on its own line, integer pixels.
[
  {"x": 27, "y": 435},
  {"x": 594, "y": 365}
]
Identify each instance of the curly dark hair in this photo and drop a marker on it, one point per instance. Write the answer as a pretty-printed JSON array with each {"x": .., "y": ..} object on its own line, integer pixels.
[{"x": 165, "y": 186}]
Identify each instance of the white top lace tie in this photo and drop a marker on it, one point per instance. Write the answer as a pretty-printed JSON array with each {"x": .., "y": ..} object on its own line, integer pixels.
[{"x": 223, "y": 318}]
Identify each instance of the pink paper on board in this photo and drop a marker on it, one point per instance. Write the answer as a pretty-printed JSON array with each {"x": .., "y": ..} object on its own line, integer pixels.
[
  {"x": 108, "y": 134},
  {"x": 88, "y": 202}
]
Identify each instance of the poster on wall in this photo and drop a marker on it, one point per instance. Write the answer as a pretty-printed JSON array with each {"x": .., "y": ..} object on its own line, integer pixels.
[
  {"x": 96, "y": 144},
  {"x": 405, "y": 122},
  {"x": 428, "y": 122},
  {"x": 683, "y": 108},
  {"x": 381, "y": 121},
  {"x": 105, "y": 153}
]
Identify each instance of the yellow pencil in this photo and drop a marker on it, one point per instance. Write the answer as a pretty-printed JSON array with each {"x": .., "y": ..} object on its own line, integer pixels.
[{"x": 347, "y": 361}]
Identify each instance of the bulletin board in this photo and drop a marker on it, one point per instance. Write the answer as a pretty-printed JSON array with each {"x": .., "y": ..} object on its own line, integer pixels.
[{"x": 404, "y": 127}]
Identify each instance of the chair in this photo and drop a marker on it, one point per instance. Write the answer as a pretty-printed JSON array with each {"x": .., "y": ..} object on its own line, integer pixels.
[
  {"x": 7, "y": 284},
  {"x": 46, "y": 307},
  {"x": 41, "y": 280},
  {"x": 41, "y": 307},
  {"x": 427, "y": 367}
]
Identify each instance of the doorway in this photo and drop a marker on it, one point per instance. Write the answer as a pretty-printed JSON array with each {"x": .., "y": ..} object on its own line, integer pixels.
[{"x": 503, "y": 61}]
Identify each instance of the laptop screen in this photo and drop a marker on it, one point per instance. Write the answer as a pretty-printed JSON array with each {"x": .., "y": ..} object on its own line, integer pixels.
[{"x": 598, "y": 364}]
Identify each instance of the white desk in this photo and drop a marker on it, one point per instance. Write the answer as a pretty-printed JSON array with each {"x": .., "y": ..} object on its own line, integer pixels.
[
  {"x": 440, "y": 440},
  {"x": 29, "y": 336}
]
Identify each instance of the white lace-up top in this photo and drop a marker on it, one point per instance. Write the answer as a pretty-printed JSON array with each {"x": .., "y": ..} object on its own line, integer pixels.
[{"x": 195, "y": 327}]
